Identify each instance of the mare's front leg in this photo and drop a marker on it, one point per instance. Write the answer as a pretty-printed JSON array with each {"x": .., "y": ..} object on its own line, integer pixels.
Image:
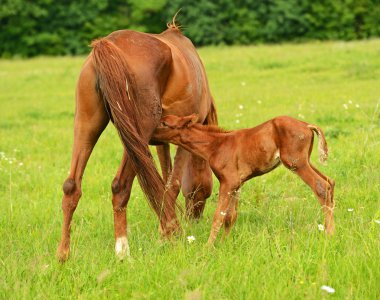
[
  {"x": 121, "y": 191},
  {"x": 173, "y": 182},
  {"x": 224, "y": 208},
  {"x": 196, "y": 185},
  {"x": 90, "y": 121},
  {"x": 163, "y": 153}
]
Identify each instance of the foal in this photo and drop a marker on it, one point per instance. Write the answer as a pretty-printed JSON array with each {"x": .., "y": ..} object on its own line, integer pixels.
[{"x": 239, "y": 155}]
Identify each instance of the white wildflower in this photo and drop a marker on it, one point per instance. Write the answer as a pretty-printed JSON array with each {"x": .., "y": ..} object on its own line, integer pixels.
[
  {"x": 377, "y": 221},
  {"x": 190, "y": 239},
  {"x": 237, "y": 121},
  {"x": 21, "y": 164},
  {"x": 345, "y": 106},
  {"x": 350, "y": 209},
  {"x": 258, "y": 101},
  {"x": 243, "y": 83},
  {"x": 301, "y": 116},
  {"x": 241, "y": 106},
  {"x": 357, "y": 105},
  {"x": 45, "y": 267},
  {"x": 223, "y": 213},
  {"x": 321, "y": 227},
  {"x": 328, "y": 289},
  {"x": 350, "y": 101}
]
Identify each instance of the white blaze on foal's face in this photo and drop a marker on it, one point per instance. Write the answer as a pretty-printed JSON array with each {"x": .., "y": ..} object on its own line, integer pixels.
[{"x": 122, "y": 248}]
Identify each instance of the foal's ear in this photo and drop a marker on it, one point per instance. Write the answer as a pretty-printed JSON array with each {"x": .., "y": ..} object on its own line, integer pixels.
[
  {"x": 190, "y": 120},
  {"x": 170, "y": 121}
]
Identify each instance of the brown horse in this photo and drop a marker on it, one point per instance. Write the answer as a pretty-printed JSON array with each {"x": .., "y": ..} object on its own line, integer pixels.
[
  {"x": 240, "y": 155},
  {"x": 132, "y": 79}
]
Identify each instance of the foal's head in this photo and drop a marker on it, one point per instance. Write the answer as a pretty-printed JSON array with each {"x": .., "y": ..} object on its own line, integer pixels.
[
  {"x": 171, "y": 127},
  {"x": 175, "y": 122}
]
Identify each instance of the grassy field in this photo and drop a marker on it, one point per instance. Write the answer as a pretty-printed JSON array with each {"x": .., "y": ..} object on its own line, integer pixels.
[{"x": 275, "y": 251}]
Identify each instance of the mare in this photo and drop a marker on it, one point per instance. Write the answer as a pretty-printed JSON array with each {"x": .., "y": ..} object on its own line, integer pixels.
[
  {"x": 239, "y": 155},
  {"x": 133, "y": 79}
]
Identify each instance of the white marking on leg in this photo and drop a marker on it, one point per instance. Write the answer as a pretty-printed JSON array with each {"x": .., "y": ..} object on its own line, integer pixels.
[{"x": 122, "y": 248}]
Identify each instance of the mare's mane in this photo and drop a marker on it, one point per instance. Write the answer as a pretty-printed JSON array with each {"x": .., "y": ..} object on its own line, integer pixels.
[{"x": 173, "y": 24}]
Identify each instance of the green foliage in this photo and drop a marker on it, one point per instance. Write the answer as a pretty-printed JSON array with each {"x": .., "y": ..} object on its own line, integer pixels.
[
  {"x": 62, "y": 27},
  {"x": 57, "y": 27},
  {"x": 252, "y": 21}
]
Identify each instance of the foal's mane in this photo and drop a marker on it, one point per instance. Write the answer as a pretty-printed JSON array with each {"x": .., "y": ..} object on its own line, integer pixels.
[{"x": 211, "y": 128}]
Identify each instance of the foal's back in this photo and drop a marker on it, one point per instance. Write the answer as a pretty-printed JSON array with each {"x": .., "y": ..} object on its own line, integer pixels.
[{"x": 260, "y": 149}]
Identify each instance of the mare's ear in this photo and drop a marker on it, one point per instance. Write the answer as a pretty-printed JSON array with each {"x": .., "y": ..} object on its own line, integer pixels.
[{"x": 191, "y": 120}]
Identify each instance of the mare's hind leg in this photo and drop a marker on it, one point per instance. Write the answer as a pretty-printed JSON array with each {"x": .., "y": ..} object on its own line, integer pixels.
[
  {"x": 196, "y": 185},
  {"x": 121, "y": 190},
  {"x": 321, "y": 185},
  {"x": 90, "y": 121}
]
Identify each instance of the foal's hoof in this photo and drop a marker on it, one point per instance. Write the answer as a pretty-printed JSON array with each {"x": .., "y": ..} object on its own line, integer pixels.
[
  {"x": 330, "y": 231},
  {"x": 122, "y": 248},
  {"x": 210, "y": 245},
  {"x": 62, "y": 254}
]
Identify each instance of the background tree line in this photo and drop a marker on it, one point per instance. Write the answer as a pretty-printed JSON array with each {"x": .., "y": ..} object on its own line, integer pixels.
[{"x": 63, "y": 27}]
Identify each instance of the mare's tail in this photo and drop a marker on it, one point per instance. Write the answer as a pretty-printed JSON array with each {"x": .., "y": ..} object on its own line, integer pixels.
[
  {"x": 212, "y": 117},
  {"x": 117, "y": 88},
  {"x": 322, "y": 145}
]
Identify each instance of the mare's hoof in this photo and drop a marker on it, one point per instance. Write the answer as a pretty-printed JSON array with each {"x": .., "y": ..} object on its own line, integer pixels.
[{"x": 122, "y": 248}]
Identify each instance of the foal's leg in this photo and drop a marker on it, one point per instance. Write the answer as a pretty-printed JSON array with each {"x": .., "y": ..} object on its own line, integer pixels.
[
  {"x": 328, "y": 179},
  {"x": 231, "y": 216},
  {"x": 90, "y": 121},
  {"x": 222, "y": 210},
  {"x": 163, "y": 152},
  {"x": 196, "y": 185},
  {"x": 323, "y": 188},
  {"x": 121, "y": 190}
]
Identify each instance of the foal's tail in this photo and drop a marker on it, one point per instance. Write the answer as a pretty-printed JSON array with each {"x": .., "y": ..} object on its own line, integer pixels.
[
  {"x": 117, "y": 88},
  {"x": 322, "y": 145}
]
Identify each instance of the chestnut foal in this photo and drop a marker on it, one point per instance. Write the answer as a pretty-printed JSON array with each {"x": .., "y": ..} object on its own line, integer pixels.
[{"x": 239, "y": 155}]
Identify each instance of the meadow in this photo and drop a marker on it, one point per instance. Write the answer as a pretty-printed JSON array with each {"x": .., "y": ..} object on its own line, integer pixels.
[{"x": 275, "y": 251}]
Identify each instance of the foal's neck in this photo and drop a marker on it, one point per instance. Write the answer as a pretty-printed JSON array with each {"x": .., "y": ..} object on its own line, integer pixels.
[{"x": 202, "y": 140}]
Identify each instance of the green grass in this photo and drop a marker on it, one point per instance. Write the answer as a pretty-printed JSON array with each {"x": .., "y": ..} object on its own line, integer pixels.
[{"x": 275, "y": 250}]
